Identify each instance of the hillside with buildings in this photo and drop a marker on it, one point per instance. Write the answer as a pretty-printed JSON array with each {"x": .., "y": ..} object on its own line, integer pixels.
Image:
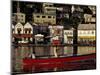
[{"x": 47, "y": 30}]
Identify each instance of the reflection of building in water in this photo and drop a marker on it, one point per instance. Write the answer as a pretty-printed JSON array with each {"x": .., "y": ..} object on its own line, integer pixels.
[
  {"x": 86, "y": 33},
  {"x": 19, "y": 54},
  {"x": 86, "y": 50}
]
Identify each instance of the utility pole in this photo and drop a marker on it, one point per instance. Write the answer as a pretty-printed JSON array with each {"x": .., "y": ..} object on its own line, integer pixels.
[{"x": 18, "y": 11}]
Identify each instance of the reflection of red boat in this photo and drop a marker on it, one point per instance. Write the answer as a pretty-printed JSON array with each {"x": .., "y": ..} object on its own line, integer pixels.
[{"x": 59, "y": 63}]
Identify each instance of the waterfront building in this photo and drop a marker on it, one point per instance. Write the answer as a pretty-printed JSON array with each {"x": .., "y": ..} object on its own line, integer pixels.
[
  {"x": 44, "y": 18},
  {"x": 49, "y": 8},
  {"x": 86, "y": 33},
  {"x": 18, "y": 17}
]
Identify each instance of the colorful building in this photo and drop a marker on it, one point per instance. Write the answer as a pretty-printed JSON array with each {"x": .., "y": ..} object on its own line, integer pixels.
[
  {"x": 23, "y": 33},
  {"x": 44, "y": 18},
  {"x": 18, "y": 17},
  {"x": 86, "y": 33}
]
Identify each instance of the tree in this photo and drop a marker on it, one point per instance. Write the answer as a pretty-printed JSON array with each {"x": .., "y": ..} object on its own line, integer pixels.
[
  {"x": 73, "y": 21},
  {"x": 76, "y": 19}
]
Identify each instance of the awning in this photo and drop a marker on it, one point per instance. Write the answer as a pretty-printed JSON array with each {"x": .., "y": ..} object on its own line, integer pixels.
[
  {"x": 87, "y": 37},
  {"x": 84, "y": 37}
]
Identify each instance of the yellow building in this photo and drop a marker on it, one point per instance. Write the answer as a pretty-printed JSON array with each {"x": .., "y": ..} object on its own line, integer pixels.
[
  {"x": 86, "y": 35},
  {"x": 86, "y": 32},
  {"x": 44, "y": 18},
  {"x": 18, "y": 17}
]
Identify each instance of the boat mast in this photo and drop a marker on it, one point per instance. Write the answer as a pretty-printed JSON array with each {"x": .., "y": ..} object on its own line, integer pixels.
[{"x": 18, "y": 11}]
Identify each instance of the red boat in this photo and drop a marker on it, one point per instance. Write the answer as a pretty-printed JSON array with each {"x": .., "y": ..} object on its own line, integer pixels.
[{"x": 64, "y": 63}]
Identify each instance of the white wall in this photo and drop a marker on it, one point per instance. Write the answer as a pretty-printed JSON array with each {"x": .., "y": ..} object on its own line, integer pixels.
[
  {"x": 28, "y": 25},
  {"x": 19, "y": 25}
]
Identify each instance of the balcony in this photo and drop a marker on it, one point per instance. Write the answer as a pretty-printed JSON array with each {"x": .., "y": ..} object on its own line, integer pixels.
[{"x": 22, "y": 35}]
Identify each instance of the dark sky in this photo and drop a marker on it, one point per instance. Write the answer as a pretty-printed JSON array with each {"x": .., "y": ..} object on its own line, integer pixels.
[
  {"x": 24, "y": 6},
  {"x": 29, "y": 7}
]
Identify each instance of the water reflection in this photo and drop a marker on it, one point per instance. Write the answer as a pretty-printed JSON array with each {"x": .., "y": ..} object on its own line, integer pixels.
[{"x": 45, "y": 52}]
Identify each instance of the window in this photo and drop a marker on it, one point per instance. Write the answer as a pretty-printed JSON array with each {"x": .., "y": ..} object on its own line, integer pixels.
[
  {"x": 29, "y": 30},
  {"x": 21, "y": 15},
  {"x": 19, "y": 30},
  {"x": 53, "y": 16},
  {"x": 28, "y": 38},
  {"x": 48, "y": 9},
  {"x": 50, "y": 5},
  {"x": 92, "y": 32},
  {"x": 37, "y": 16},
  {"x": 49, "y": 16},
  {"x": 43, "y": 16},
  {"x": 70, "y": 33},
  {"x": 18, "y": 19},
  {"x": 22, "y": 20},
  {"x": 25, "y": 31}
]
